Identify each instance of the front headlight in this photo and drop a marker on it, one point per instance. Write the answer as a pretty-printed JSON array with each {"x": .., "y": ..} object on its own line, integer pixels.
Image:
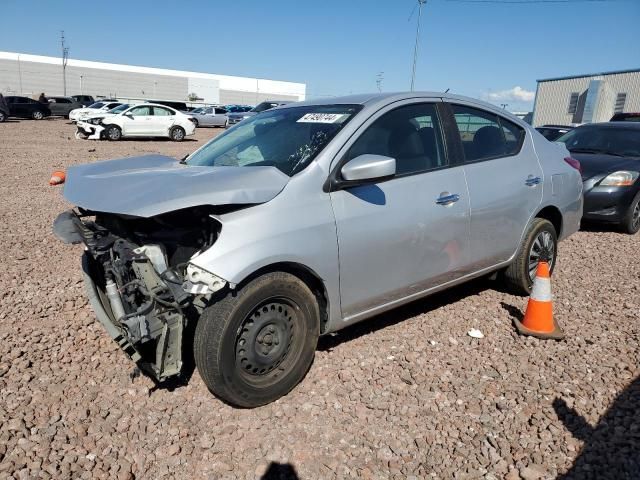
[
  {"x": 622, "y": 178},
  {"x": 95, "y": 121}
]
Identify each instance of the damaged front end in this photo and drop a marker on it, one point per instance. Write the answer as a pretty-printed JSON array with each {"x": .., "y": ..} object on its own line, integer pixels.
[
  {"x": 140, "y": 282},
  {"x": 91, "y": 129}
]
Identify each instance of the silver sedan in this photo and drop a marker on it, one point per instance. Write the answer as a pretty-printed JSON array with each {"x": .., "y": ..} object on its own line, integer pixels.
[
  {"x": 307, "y": 218},
  {"x": 210, "y": 117}
]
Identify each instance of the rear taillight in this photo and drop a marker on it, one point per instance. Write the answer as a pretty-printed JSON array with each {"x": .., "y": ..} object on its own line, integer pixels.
[{"x": 574, "y": 163}]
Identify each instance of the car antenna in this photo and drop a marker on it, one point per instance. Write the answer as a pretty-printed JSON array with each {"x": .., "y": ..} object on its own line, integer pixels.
[{"x": 447, "y": 90}]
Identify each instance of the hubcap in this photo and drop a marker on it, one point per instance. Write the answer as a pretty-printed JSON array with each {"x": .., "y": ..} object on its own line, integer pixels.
[
  {"x": 543, "y": 247},
  {"x": 635, "y": 216},
  {"x": 177, "y": 134},
  {"x": 265, "y": 338},
  {"x": 113, "y": 134}
]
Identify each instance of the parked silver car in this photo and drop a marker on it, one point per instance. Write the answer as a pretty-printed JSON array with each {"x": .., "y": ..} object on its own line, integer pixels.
[
  {"x": 308, "y": 218},
  {"x": 210, "y": 117}
]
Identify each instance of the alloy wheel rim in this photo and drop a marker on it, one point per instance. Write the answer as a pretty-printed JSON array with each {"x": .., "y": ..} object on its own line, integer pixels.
[
  {"x": 543, "y": 247},
  {"x": 113, "y": 134},
  {"x": 265, "y": 337},
  {"x": 177, "y": 134}
]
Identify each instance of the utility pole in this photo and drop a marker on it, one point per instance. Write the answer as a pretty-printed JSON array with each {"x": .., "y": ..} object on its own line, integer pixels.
[
  {"x": 379, "y": 79},
  {"x": 415, "y": 49},
  {"x": 65, "y": 57}
]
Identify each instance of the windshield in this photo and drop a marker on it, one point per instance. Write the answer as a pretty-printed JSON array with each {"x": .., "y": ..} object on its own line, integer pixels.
[
  {"x": 288, "y": 139},
  {"x": 96, "y": 105},
  {"x": 120, "y": 108},
  {"x": 611, "y": 140}
]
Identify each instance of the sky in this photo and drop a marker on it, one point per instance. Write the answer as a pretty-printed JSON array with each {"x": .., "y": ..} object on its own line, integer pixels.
[{"x": 480, "y": 48}]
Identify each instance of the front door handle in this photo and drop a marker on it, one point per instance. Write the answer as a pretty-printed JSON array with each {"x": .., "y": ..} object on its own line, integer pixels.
[
  {"x": 446, "y": 198},
  {"x": 532, "y": 181}
]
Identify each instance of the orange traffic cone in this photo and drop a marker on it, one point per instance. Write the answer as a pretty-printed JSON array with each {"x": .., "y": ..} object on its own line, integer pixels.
[
  {"x": 57, "y": 178},
  {"x": 538, "y": 319}
]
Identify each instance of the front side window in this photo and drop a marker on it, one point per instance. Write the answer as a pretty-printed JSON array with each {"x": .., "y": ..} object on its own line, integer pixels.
[
  {"x": 140, "y": 111},
  {"x": 485, "y": 135},
  {"x": 288, "y": 139},
  {"x": 410, "y": 134}
]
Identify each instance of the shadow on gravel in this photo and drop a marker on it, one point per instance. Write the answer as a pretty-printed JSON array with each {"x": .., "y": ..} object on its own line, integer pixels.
[
  {"x": 280, "y": 471},
  {"x": 515, "y": 312},
  {"x": 587, "y": 226},
  {"x": 611, "y": 448},
  {"x": 405, "y": 312}
]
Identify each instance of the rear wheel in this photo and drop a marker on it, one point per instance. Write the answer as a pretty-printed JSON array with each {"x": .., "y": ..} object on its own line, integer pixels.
[
  {"x": 256, "y": 344},
  {"x": 3, "y": 117},
  {"x": 177, "y": 134},
  {"x": 195, "y": 122},
  {"x": 540, "y": 242},
  {"x": 113, "y": 133},
  {"x": 37, "y": 115},
  {"x": 631, "y": 222}
]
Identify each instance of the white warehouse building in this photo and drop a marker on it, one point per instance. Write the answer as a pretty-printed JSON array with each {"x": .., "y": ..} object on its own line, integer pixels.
[
  {"x": 590, "y": 98},
  {"x": 29, "y": 75}
]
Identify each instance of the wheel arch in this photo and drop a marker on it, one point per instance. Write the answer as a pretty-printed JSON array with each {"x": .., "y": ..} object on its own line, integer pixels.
[
  {"x": 307, "y": 275},
  {"x": 553, "y": 215}
]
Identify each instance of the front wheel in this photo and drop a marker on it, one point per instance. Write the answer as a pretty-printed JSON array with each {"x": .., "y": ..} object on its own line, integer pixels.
[
  {"x": 37, "y": 115},
  {"x": 113, "y": 133},
  {"x": 177, "y": 134},
  {"x": 540, "y": 242},
  {"x": 256, "y": 344},
  {"x": 631, "y": 222},
  {"x": 3, "y": 117}
]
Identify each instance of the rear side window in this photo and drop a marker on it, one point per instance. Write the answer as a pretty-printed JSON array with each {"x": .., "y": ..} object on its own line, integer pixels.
[
  {"x": 485, "y": 135},
  {"x": 162, "y": 112},
  {"x": 410, "y": 134}
]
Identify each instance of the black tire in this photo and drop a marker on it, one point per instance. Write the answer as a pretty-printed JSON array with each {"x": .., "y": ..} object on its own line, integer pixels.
[
  {"x": 37, "y": 115},
  {"x": 256, "y": 344},
  {"x": 631, "y": 222},
  {"x": 517, "y": 275},
  {"x": 113, "y": 133},
  {"x": 3, "y": 117},
  {"x": 195, "y": 122},
  {"x": 177, "y": 134}
]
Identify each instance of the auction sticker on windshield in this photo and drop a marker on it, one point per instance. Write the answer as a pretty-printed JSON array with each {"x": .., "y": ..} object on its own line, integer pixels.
[{"x": 324, "y": 118}]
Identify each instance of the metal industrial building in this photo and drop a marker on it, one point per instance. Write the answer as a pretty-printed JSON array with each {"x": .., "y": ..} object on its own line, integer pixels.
[
  {"x": 586, "y": 98},
  {"x": 28, "y": 75}
]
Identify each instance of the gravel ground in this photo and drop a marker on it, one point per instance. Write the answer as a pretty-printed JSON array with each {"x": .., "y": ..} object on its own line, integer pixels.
[{"x": 405, "y": 395}]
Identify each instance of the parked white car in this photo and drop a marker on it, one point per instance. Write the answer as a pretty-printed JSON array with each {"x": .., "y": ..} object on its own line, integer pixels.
[
  {"x": 98, "y": 107},
  {"x": 144, "y": 120}
]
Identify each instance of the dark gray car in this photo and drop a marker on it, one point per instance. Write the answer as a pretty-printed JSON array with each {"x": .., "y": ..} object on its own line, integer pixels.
[
  {"x": 261, "y": 107},
  {"x": 61, "y": 106}
]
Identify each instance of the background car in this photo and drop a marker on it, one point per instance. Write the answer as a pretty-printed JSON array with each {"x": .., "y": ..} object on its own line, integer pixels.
[
  {"x": 144, "y": 120},
  {"x": 62, "y": 106},
  {"x": 261, "y": 107},
  {"x": 102, "y": 106},
  {"x": 553, "y": 132},
  {"x": 237, "y": 108},
  {"x": 210, "y": 117},
  {"x": 83, "y": 100},
  {"x": 180, "y": 106},
  {"x": 626, "y": 117},
  {"x": 25, "y": 107},
  {"x": 609, "y": 154}
]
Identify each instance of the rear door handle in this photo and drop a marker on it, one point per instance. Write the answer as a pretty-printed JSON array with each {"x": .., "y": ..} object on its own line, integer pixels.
[
  {"x": 532, "y": 181},
  {"x": 446, "y": 198}
]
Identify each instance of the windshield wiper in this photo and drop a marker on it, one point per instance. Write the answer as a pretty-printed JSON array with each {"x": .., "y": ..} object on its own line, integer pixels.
[
  {"x": 183, "y": 160},
  {"x": 595, "y": 150}
]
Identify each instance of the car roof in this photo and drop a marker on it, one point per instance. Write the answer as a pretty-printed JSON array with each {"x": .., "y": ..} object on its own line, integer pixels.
[
  {"x": 367, "y": 99},
  {"x": 627, "y": 125}
]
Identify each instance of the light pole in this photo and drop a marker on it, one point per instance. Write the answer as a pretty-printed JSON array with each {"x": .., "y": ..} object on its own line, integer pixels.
[
  {"x": 65, "y": 58},
  {"x": 415, "y": 48},
  {"x": 81, "y": 92}
]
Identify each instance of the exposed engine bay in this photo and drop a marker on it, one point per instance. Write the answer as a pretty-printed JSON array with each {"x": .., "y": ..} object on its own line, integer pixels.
[{"x": 141, "y": 284}]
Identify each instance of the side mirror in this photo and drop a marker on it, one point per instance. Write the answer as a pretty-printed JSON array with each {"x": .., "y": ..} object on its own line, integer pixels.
[
  {"x": 368, "y": 167},
  {"x": 128, "y": 115}
]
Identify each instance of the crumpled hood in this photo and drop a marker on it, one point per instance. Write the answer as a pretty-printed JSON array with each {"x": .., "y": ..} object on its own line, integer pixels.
[{"x": 154, "y": 184}]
